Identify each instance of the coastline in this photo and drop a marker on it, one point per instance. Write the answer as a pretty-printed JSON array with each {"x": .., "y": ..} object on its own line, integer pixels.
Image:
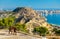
[{"x": 54, "y": 25}]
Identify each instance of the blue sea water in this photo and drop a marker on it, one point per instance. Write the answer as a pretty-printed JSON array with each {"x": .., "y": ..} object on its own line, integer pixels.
[{"x": 53, "y": 18}]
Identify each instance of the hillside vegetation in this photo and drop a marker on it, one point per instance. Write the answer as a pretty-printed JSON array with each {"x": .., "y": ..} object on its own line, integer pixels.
[{"x": 26, "y": 20}]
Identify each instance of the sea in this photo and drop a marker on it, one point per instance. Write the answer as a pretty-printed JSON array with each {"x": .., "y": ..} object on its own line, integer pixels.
[{"x": 53, "y": 18}]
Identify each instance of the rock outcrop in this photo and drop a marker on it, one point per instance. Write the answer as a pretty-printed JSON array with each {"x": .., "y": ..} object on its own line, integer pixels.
[
  {"x": 30, "y": 17},
  {"x": 26, "y": 14}
]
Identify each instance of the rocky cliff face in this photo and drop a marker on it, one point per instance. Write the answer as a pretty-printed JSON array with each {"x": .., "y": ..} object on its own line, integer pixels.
[
  {"x": 26, "y": 14},
  {"x": 30, "y": 17}
]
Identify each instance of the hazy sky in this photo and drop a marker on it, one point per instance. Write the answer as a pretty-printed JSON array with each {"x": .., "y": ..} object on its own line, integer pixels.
[{"x": 11, "y": 4}]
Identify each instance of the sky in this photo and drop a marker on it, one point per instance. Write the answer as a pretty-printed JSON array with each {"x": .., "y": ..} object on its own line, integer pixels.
[{"x": 45, "y": 4}]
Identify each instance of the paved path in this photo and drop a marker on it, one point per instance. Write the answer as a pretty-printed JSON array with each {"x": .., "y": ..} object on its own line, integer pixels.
[
  {"x": 4, "y": 35},
  {"x": 21, "y": 37}
]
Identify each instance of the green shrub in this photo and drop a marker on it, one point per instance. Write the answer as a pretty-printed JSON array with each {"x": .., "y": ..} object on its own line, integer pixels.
[
  {"x": 21, "y": 27},
  {"x": 57, "y": 32},
  {"x": 41, "y": 30}
]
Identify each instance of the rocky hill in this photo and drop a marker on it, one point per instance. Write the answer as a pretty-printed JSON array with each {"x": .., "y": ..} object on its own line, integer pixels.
[
  {"x": 26, "y": 14},
  {"x": 30, "y": 17}
]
